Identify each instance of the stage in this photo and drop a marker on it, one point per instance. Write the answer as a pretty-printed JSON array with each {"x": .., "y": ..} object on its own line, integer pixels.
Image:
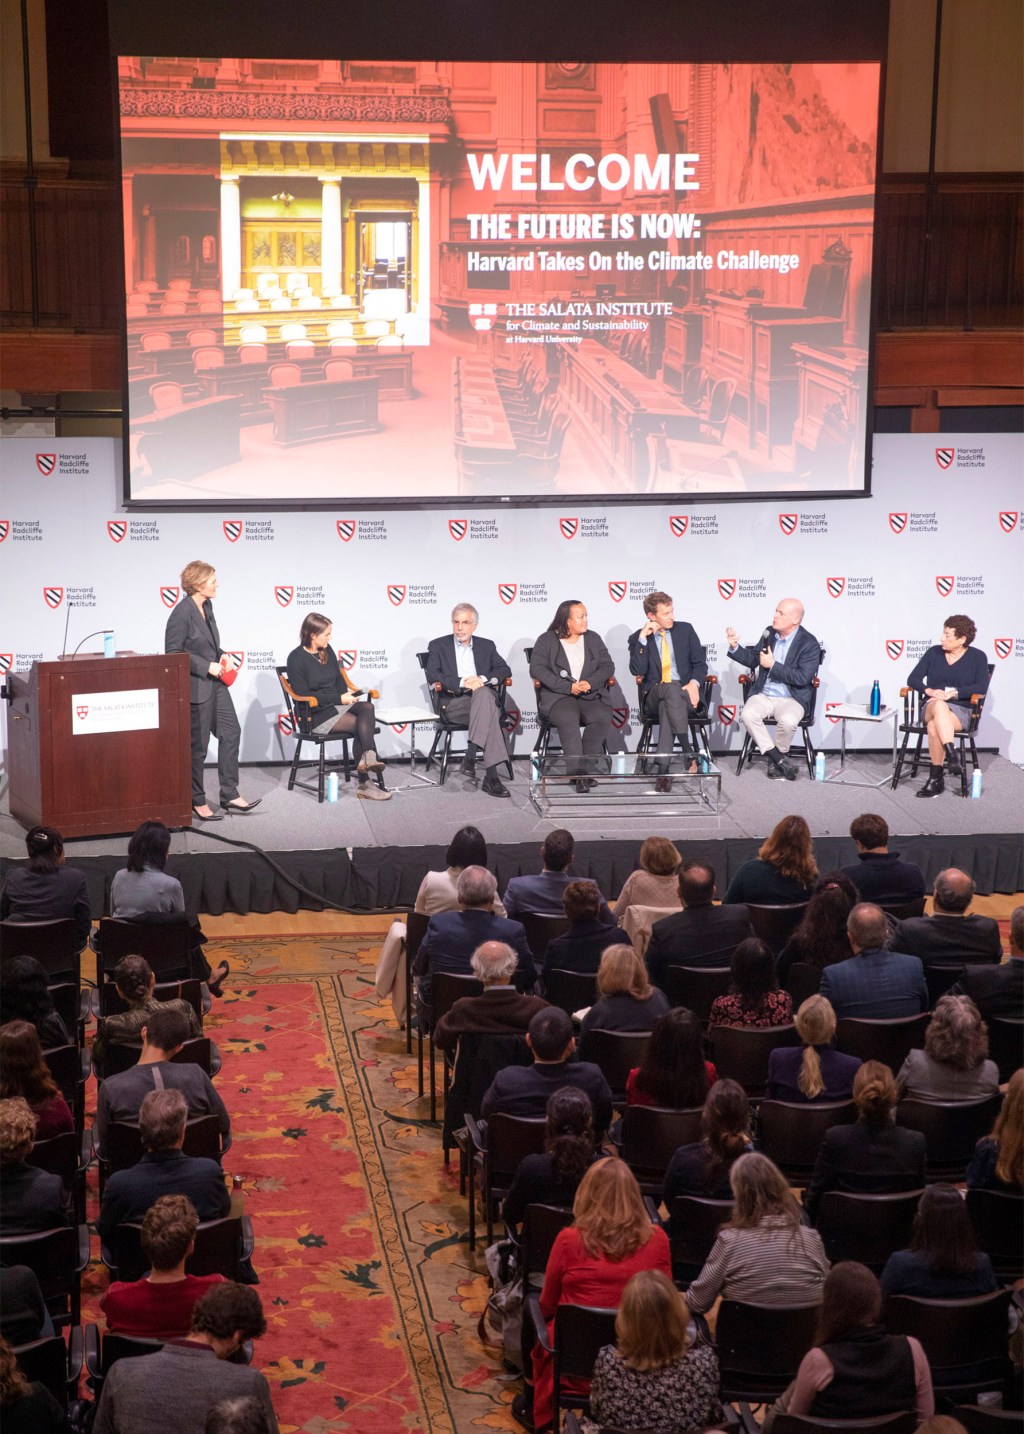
[{"x": 367, "y": 856}]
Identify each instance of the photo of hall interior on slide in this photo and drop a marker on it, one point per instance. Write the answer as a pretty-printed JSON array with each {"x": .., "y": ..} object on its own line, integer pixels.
[{"x": 313, "y": 313}]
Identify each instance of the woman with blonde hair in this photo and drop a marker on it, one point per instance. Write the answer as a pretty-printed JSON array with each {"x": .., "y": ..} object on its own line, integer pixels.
[
  {"x": 654, "y": 1377},
  {"x": 626, "y": 1000},
  {"x": 591, "y": 1263},
  {"x": 764, "y": 1254},
  {"x": 817, "y": 1071},
  {"x": 953, "y": 1064},
  {"x": 655, "y": 882},
  {"x": 784, "y": 870},
  {"x": 998, "y": 1159}
]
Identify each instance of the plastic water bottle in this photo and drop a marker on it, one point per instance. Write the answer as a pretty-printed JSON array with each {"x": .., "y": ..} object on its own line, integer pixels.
[
  {"x": 332, "y": 786},
  {"x": 819, "y": 766},
  {"x": 976, "y": 782},
  {"x": 108, "y": 645},
  {"x": 876, "y": 699}
]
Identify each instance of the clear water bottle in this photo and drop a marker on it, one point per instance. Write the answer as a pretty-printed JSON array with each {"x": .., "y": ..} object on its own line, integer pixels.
[
  {"x": 108, "y": 645},
  {"x": 332, "y": 786},
  {"x": 976, "y": 782},
  {"x": 819, "y": 766},
  {"x": 876, "y": 699}
]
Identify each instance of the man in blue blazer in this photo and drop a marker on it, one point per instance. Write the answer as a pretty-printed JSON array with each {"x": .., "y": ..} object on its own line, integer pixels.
[
  {"x": 669, "y": 658},
  {"x": 469, "y": 674},
  {"x": 453, "y": 936},
  {"x": 874, "y": 984},
  {"x": 787, "y": 659}
]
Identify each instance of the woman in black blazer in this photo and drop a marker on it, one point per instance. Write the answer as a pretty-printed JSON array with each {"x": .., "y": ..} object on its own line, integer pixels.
[{"x": 574, "y": 667}]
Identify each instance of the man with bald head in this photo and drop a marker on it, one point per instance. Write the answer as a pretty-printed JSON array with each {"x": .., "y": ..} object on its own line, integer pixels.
[
  {"x": 786, "y": 660},
  {"x": 951, "y": 933},
  {"x": 875, "y": 984}
]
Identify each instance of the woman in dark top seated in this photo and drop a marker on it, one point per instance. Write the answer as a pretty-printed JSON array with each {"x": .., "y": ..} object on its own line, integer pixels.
[
  {"x": 783, "y": 870},
  {"x": 817, "y": 1072},
  {"x": 821, "y": 940},
  {"x": 948, "y": 676},
  {"x": 873, "y": 1156},
  {"x": 674, "y": 1073},
  {"x": 587, "y": 939},
  {"x": 943, "y": 1261},
  {"x": 754, "y": 998},
  {"x": 998, "y": 1159},
  {"x": 314, "y": 671},
  {"x": 554, "y": 1177},
  {"x": 30, "y": 1199},
  {"x": 702, "y": 1169},
  {"x": 46, "y": 889},
  {"x": 27, "y": 1408},
  {"x": 626, "y": 1000},
  {"x": 25, "y": 996}
]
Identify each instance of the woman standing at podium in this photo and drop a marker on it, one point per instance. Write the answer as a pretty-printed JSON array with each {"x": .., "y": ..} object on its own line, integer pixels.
[{"x": 192, "y": 628}]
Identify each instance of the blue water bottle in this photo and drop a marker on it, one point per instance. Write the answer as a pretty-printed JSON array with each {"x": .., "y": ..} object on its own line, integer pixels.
[
  {"x": 819, "y": 766},
  {"x": 332, "y": 786},
  {"x": 976, "y": 782},
  {"x": 876, "y": 699}
]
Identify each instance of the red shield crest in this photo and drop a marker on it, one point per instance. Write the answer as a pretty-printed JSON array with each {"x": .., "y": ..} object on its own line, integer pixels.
[
  {"x": 788, "y": 523},
  {"x": 399, "y": 727},
  {"x": 6, "y": 659},
  {"x": 897, "y": 522},
  {"x": 81, "y": 713},
  {"x": 236, "y": 658},
  {"x": 283, "y": 594},
  {"x": 1008, "y": 521},
  {"x": 726, "y": 713},
  {"x": 233, "y": 529},
  {"x": 726, "y": 587},
  {"x": 568, "y": 527},
  {"x": 116, "y": 530},
  {"x": 53, "y": 597},
  {"x": 346, "y": 529},
  {"x": 347, "y": 657},
  {"x": 5, "y": 528},
  {"x": 894, "y": 647},
  {"x": 286, "y": 724},
  {"x": 396, "y": 594},
  {"x": 944, "y": 456},
  {"x": 169, "y": 596},
  {"x": 620, "y": 716},
  {"x": 678, "y": 524},
  {"x": 458, "y": 527},
  {"x": 618, "y": 590},
  {"x": 507, "y": 592},
  {"x": 945, "y": 585},
  {"x": 46, "y": 463},
  {"x": 1003, "y": 646},
  {"x": 828, "y": 708},
  {"x": 836, "y": 586}
]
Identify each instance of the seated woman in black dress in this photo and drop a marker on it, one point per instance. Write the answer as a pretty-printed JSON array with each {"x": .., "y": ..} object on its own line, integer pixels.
[
  {"x": 554, "y": 1177},
  {"x": 573, "y": 667},
  {"x": 46, "y": 889},
  {"x": 702, "y": 1169},
  {"x": 943, "y": 1261},
  {"x": 314, "y": 671},
  {"x": 948, "y": 676}
]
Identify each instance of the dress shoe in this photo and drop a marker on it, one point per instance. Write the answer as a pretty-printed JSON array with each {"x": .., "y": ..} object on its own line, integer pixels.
[
  {"x": 369, "y": 762},
  {"x": 215, "y": 984},
  {"x": 370, "y": 792},
  {"x": 467, "y": 767},
  {"x": 241, "y": 809},
  {"x": 209, "y": 817},
  {"x": 934, "y": 787},
  {"x": 494, "y": 787}
]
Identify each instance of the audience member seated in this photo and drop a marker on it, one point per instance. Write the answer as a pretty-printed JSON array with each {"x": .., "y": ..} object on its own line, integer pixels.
[
  {"x": 674, "y": 1073},
  {"x": 25, "y": 996},
  {"x": 626, "y": 1001},
  {"x": 998, "y": 1159},
  {"x": 30, "y": 1199},
  {"x": 655, "y": 882},
  {"x": 160, "y": 1305},
  {"x": 952, "y": 1065},
  {"x": 878, "y": 874},
  {"x": 816, "y": 1071},
  {"x": 782, "y": 873},
  {"x": 500, "y": 1010},
  {"x": 702, "y": 1169},
  {"x": 525, "y": 1090},
  {"x": 238, "y": 1416},
  {"x": 453, "y": 936},
  {"x": 702, "y": 934},
  {"x": 654, "y": 1377},
  {"x": 27, "y": 1408},
  {"x": 24, "y": 1072},
  {"x": 164, "y": 1169},
  {"x": 121, "y": 1096},
  {"x": 46, "y": 889},
  {"x": 588, "y": 937},
  {"x": 591, "y": 1263},
  {"x": 135, "y": 983},
  {"x": 999, "y": 990},
  {"x": 172, "y": 1391},
  {"x": 23, "y": 1313},
  {"x": 542, "y": 895},
  {"x": 951, "y": 933},
  {"x": 552, "y": 1178},
  {"x": 874, "y": 1156},
  {"x": 821, "y": 940},
  {"x": 943, "y": 1261},
  {"x": 754, "y": 998},
  {"x": 856, "y": 1370},
  {"x": 764, "y": 1255},
  {"x": 874, "y": 984}
]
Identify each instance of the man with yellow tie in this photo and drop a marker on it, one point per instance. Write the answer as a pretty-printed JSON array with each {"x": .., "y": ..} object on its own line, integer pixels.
[{"x": 668, "y": 658}]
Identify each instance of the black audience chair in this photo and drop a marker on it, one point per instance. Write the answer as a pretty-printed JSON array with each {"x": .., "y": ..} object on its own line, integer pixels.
[
  {"x": 107, "y": 1002},
  {"x": 951, "y": 1129},
  {"x": 446, "y": 987},
  {"x": 1006, "y": 1044},
  {"x": 570, "y": 990},
  {"x": 998, "y": 1220},
  {"x": 496, "y": 1149},
  {"x": 221, "y": 1246},
  {"x": 866, "y": 1228},
  {"x": 53, "y": 1364},
  {"x": 695, "y": 1223},
  {"x": 650, "y": 1135},
  {"x": 166, "y": 946},
  {"x": 887, "y": 1041},
  {"x": 760, "y": 1348},
  {"x": 696, "y": 987},
  {"x": 741, "y": 1053},
  {"x": 68, "y": 1155},
  {"x": 123, "y": 1148},
  {"x": 985, "y": 1419},
  {"x": 957, "y": 1335},
  {"x": 200, "y": 1051},
  {"x": 581, "y": 1332},
  {"x": 540, "y": 930},
  {"x": 903, "y": 1423},
  {"x": 54, "y": 944},
  {"x": 617, "y": 1053},
  {"x": 790, "y": 1133},
  {"x": 57, "y": 1258},
  {"x": 103, "y": 1352},
  {"x": 939, "y": 976},
  {"x": 774, "y": 925},
  {"x": 69, "y": 1066},
  {"x": 415, "y": 929}
]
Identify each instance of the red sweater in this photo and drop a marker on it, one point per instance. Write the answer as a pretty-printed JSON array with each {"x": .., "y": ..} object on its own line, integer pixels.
[
  {"x": 634, "y": 1096},
  {"x": 150, "y": 1311}
]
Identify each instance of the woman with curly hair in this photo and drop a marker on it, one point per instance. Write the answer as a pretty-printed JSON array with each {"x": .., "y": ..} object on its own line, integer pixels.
[
  {"x": 24, "y": 1073},
  {"x": 947, "y": 677},
  {"x": 783, "y": 871},
  {"x": 821, "y": 939},
  {"x": 552, "y": 1178},
  {"x": 998, "y": 1159},
  {"x": 953, "y": 1064}
]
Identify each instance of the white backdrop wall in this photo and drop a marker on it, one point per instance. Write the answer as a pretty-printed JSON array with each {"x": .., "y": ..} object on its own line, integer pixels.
[{"x": 941, "y": 534}]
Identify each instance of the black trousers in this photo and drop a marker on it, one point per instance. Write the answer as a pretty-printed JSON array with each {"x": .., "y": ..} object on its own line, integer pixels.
[
  {"x": 569, "y": 714},
  {"x": 217, "y": 718}
]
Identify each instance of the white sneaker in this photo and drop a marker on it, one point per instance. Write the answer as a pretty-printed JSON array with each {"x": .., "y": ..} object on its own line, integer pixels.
[{"x": 370, "y": 792}]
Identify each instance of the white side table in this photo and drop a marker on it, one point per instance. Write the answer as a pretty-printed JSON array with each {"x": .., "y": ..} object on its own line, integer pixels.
[
  {"x": 411, "y": 717},
  {"x": 856, "y": 712}
]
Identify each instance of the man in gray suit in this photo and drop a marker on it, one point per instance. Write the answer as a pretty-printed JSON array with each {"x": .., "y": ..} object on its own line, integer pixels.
[{"x": 192, "y": 628}]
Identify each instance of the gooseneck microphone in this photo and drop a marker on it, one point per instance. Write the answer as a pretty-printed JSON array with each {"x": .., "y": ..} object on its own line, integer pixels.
[
  {"x": 64, "y": 642},
  {"x": 97, "y": 633}
]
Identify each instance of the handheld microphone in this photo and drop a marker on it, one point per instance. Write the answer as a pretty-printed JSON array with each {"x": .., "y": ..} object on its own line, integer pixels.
[
  {"x": 765, "y": 643},
  {"x": 99, "y": 630},
  {"x": 64, "y": 643}
]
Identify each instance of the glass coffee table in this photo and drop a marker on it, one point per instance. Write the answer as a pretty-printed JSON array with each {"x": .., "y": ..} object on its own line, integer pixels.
[{"x": 624, "y": 785}]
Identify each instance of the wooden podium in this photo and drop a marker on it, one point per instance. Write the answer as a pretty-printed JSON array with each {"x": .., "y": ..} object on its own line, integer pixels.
[{"x": 98, "y": 745}]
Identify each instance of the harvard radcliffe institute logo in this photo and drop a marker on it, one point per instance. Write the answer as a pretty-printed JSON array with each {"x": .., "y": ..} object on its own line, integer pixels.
[
  {"x": 1008, "y": 521},
  {"x": 286, "y": 724},
  {"x": 116, "y": 531},
  {"x": 53, "y": 597},
  {"x": 347, "y": 657},
  {"x": 284, "y": 594},
  {"x": 507, "y": 592},
  {"x": 678, "y": 524},
  {"x": 46, "y": 463},
  {"x": 5, "y": 528},
  {"x": 568, "y": 527},
  {"x": 836, "y": 586},
  {"x": 396, "y": 594},
  {"x": 894, "y": 647},
  {"x": 346, "y": 529},
  {"x": 618, "y": 590},
  {"x": 726, "y": 587},
  {"x": 233, "y": 529},
  {"x": 1003, "y": 646},
  {"x": 945, "y": 585},
  {"x": 788, "y": 522},
  {"x": 458, "y": 527},
  {"x": 169, "y": 596},
  {"x": 944, "y": 456},
  {"x": 897, "y": 522},
  {"x": 726, "y": 713}
]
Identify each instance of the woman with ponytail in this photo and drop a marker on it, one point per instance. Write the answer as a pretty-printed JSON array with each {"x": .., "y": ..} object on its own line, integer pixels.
[
  {"x": 874, "y": 1156},
  {"x": 816, "y": 1072},
  {"x": 554, "y": 1177},
  {"x": 135, "y": 982},
  {"x": 702, "y": 1169}
]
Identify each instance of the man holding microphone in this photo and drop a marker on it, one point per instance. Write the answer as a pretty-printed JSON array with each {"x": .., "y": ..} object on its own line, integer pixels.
[
  {"x": 668, "y": 658},
  {"x": 787, "y": 657}
]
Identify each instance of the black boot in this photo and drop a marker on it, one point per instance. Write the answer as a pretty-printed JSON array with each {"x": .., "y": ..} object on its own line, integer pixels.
[
  {"x": 953, "y": 759},
  {"x": 935, "y": 786}
]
